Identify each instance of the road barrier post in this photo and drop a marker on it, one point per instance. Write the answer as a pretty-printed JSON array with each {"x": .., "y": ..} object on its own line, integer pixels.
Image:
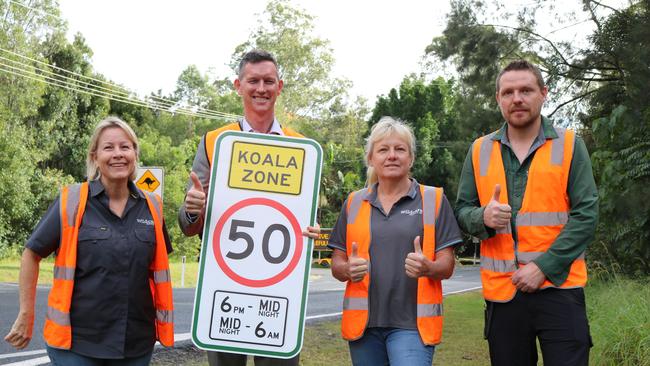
[{"x": 183, "y": 271}]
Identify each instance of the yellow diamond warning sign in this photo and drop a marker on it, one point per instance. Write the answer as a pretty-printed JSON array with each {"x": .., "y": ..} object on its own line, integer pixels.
[
  {"x": 268, "y": 168},
  {"x": 148, "y": 181}
]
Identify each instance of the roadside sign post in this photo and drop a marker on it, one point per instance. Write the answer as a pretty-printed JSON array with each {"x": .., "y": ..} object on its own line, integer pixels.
[
  {"x": 251, "y": 294},
  {"x": 182, "y": 271}
]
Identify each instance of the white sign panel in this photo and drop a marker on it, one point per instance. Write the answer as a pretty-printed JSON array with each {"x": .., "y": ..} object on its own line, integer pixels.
[{"x": 251, "y": 295}]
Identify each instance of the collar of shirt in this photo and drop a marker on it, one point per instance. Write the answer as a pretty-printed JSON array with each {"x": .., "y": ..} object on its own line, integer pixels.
[
  {"x": 372, "y": 197},
  {"x": 276, "y": 129},
  {"x": 546, "y": 131},
  {"x": 96, "y": 187}
]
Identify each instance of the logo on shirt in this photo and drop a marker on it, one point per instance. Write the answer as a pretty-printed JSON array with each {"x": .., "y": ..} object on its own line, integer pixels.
[
  {"x": 412, "y": 212},
  {"x": 145, "y": 222}
]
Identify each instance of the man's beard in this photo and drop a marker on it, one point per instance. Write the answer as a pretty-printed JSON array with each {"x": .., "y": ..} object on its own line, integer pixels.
[{"x": 525, "y": 123}]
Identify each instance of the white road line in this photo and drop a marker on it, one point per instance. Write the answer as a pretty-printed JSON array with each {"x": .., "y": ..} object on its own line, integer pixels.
[
  {"x": 464, "y": 290},
  {"x": 23, "y": 354},
  {"x": 323, "y": 316},
  {"x": 327, "y": 290},
  {"x": 32, "y": 362},
  {"x": 182, "y": 336}
]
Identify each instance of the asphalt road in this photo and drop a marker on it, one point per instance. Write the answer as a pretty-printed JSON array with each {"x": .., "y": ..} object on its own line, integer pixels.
[{"x": 325, "y": 299}]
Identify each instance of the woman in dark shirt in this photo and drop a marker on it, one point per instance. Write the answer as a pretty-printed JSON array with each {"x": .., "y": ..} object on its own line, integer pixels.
[
  {"x": 393, "y": 244},
  {"x": 111, "y": 297}
]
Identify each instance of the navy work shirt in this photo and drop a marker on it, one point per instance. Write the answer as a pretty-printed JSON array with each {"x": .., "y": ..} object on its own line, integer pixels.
[{"x": 112, "y": 313}]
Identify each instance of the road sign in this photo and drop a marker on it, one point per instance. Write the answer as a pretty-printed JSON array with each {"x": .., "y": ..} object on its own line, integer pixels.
[
  {"x": 323, "y": 239},
  {"x": 149, "y": 178},
  {"x": 251, "y": 295}
]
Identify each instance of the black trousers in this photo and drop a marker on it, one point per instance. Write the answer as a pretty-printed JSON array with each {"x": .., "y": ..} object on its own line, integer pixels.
[
  {"x": 233, "y": 359},
  {"x": 557, "y": 317}
]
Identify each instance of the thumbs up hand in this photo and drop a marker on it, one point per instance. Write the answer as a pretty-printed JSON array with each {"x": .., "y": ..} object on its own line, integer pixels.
[
  {"x": 195, "y": 197},
  {"x": 497, "y": 215},
  {"x": 416, "y": 263},
  {"x": 357, "y": 266}
]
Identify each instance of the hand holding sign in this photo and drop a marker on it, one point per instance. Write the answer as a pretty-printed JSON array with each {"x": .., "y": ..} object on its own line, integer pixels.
[
  {"x": 195, "y": 198},
  {"x": 312, "y": 231},
  {"x": 416, "y": 263},
  {"x": 497, "y": 215},
  {"x": 357, "y": 266}
]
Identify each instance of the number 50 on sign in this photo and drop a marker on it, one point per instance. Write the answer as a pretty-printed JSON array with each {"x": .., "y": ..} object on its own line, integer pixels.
[{"x": 252, "y": 290}]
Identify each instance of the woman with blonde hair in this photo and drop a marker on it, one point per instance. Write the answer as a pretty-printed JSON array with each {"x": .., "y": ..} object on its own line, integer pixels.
[
  {"x": 393, "y": 244},
  {"x": 111, "y": 298}
]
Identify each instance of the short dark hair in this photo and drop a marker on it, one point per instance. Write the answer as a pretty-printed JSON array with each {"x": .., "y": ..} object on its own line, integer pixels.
[
  {"x": 253, "y": 57},
  {"x": 518, "y": 65}
]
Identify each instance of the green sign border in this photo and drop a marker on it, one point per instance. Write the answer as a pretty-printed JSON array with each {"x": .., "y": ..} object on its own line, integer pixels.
[{"x": 307, "y": 254}]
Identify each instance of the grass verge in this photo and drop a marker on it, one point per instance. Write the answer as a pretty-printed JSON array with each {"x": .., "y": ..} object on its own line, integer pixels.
[
  {"x": 619, "y": 318},
  {"x": 9, "y": 269},
  {"x": 618, "y": 314},
  {"x": 323, "y": 346},
  {"x": 462, "y": 334}
]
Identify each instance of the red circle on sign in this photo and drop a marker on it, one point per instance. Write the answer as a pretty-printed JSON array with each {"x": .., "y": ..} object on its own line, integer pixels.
[{"x": 216, "y": 243}]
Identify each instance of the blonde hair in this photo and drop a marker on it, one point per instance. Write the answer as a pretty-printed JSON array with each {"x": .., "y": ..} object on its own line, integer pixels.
[
  {"x": 92, "y": 172},
  {"x": 387, "y": 126}
]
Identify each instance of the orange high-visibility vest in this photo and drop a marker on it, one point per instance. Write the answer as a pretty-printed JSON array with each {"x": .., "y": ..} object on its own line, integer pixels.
[
  {"x": 211, "y": 137},
  {"x": 543, "y": 214},
  {"x": 429, "y": 293},
  {"x": 58, "y": 331}
]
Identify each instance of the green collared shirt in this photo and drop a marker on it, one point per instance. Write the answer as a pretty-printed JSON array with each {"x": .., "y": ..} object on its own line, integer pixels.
[{"x": 581, "y": 189}]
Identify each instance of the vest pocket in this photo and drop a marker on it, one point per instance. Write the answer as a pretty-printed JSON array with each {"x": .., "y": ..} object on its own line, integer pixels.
[
  {"x": 147, "y": 236},
  {"x": 93, "y": 249},
  {"x": 144, "y": 245},
  {"x": 93, "y": 235}
]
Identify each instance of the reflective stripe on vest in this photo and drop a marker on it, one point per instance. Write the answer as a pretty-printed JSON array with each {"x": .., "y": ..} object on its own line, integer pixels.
[
  {"x": 160, "y": 279},
  {"x": 58, "y": 331},
  {"x": 544, "y": 212},
  {"x": 429, "y": 292}
]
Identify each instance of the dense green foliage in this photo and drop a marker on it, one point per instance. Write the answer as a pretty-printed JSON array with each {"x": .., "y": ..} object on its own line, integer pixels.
[
  {"x": 427, "y": 109},
  {"x": 619, "y": 114}
]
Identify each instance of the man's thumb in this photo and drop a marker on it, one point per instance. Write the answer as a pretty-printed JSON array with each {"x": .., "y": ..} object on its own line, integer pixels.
[
  {"x": 497, "y": 192},
  {"x": 196, "y": 183},
  {"x": 355, "y": 249},
  {"x": 416, "y": 245}
]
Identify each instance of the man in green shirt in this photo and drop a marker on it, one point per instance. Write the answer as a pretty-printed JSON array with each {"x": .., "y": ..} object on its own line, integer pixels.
[{"x": 528, "y": 192}]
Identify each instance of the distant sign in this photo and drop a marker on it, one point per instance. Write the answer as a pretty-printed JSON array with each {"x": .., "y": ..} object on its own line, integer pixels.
[
  {"x": 323, "y": 239},
  {"x": 150, "y": 179}
]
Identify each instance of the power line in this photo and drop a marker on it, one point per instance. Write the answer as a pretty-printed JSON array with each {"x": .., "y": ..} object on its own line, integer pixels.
[
  {"x": 58, "y": 83},
  {"x": 78, "y": 88},
  {"x": 73, "y": 84},
  {"x": 36, "y": 10},
  {"x": 115, "y": 90}
]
